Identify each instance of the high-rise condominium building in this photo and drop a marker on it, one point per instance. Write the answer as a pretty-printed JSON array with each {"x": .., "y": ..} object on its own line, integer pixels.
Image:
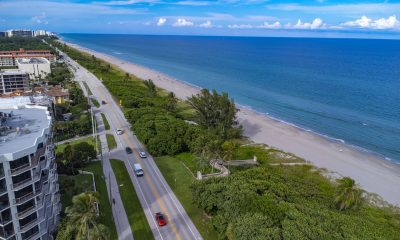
[{"x": 29, "y": 191}]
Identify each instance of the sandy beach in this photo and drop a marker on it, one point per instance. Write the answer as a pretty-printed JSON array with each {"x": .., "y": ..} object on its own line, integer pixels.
[{"x": 373, "y": 173}]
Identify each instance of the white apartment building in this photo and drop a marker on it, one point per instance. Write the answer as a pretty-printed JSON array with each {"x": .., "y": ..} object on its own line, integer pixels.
[
  {"x": 36, "y": 67},
  {"x": 29, "y": 192}
]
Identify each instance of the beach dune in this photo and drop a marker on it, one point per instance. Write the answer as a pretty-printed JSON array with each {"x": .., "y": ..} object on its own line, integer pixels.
[{"x": 372, "y": 172}]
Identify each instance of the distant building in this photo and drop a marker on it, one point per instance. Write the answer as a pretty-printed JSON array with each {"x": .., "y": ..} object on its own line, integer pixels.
[
  {"x": 58, "y": 94},
  {"x": 37, "y": 68},
  {"x": 13, "y": 80},
  {"x": 30, "y": 198},
  {"x": 9, "y": 58},
  {"x": 19, "y": 33},
  {"x": 2, "y": 34},
  {"x": 40, "y": 33}
]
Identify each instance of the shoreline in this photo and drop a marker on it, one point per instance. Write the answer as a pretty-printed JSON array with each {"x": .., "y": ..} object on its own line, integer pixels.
[{"x": 374, "y": 173}]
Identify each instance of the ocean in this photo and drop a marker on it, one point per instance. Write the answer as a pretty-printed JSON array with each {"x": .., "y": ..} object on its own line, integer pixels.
[{"x": 345, "y": 89}]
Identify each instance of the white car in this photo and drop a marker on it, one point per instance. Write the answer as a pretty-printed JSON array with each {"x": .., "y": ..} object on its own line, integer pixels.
[
  {"x": 120, "y": 131},
  {"x": 142, "y": 154}
]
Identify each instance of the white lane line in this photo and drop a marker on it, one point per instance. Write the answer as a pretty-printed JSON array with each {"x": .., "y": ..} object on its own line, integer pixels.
[
  {"x": 169, "y": 193},
  {"x": 141, "y": 191}
]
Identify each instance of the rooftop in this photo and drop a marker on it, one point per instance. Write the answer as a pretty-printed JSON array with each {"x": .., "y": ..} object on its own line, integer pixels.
[
  {"x": 33, "y": 61},
  {"x": 25, "y": 125}
]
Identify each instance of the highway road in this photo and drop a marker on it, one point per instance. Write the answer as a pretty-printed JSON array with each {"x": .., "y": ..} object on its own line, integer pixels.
[{"x": 153, "y": 191}]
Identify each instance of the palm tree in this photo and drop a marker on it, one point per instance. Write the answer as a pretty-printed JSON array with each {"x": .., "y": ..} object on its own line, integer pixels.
[
  {"x": 126, "y": 78},
  {"x": 151, "y": 87},
  {"x": 348, "y": 195},
  {"x": 82, "y": 215}
]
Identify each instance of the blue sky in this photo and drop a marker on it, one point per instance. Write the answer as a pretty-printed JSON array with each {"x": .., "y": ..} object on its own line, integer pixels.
[{"x": 314, "y": 18}]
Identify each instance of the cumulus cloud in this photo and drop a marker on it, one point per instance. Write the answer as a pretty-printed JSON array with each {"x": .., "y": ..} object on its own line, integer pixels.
[
  {"x": 181, "y": 22},
  {"x": 275, "y": 25},
  {"x": 206, "y": 24},
  {"x": 161, "y": 21},
  {"x": 316, "y": 24},
  {"x": 382, "y": 23}
]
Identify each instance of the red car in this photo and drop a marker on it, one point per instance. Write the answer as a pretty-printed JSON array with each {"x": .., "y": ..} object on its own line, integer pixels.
[{"x": 160, "y": 219}]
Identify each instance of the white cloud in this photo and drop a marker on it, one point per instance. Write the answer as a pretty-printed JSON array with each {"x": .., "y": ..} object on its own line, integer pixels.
[
  {"x": 161, "y": 21},
  {"x": 364, "y": 22},
  {"x": 240, "y": 26},
  {"x": 361, "y": 8},
  {"x": 206, "y": 24},
  {"x": 40, "y": 19},
  {"x": 181, "y": 22},
  {"x": 316, "y": 24},
  {"x": 275, "y": 25}
]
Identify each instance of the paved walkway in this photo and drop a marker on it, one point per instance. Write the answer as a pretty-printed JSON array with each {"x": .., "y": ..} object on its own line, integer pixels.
[{"x": 120, "y": 217}]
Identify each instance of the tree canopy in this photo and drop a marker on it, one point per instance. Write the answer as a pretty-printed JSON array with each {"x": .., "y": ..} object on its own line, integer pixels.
[{"x": 215, "y": 111}]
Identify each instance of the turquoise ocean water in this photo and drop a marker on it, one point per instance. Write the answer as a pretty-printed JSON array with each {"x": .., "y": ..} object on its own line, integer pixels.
[{"x": 345, "y": 89}]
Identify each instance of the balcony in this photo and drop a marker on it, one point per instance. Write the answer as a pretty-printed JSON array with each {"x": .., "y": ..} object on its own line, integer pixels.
[
  {"x": 26, "y": 197},
  {"x": 21, "y": 184},
  {"x": 26, "y": 212},
  {"x": 29, "y": 225}
]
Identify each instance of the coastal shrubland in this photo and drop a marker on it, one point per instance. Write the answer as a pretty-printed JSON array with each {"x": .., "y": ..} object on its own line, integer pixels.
[{"x": 274, "y": 200}]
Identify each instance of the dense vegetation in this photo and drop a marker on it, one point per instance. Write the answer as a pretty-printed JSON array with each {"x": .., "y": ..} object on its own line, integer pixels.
[
  {"x": 265, "y": 202},
  {"x": 27, "y": 43},
  {"x": 75, "y": 156},
  {"x": 287, "y": 203},
  {"x": 80, "y": 122},
  {"x": 156, "y": 116},
  {"x": 60, "y": 75}
]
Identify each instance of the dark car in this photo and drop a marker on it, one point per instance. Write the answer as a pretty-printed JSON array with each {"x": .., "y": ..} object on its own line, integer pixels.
[
  {"x": 160, "y": 219},
  {"x": 128, "y": 150},
  {"x": 103, "y": 102}
]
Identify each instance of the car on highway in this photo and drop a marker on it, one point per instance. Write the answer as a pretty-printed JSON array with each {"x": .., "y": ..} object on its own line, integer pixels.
[
  {"x": 103, "y": 102},
  {"x": 160, "y": 219},
  {"x": 138, "y": 169},
  {"x": 119, "y": 131},
  {"x": 128, "y": 150},
  {"x": 142, "y": 154}
]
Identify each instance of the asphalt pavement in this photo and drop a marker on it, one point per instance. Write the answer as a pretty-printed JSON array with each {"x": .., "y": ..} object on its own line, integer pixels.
[{"x": 152, "y": 189}]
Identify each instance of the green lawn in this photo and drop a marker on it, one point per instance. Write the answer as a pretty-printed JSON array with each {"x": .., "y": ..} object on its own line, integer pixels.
[
  {"x": 137, "y": 218},
  {"x": 105, "y": 121},
  {"x": 90, "y": 140},
  {"x": 95, "y": 102},
  {"x": 180, "y": 179},
  {"x": 87, "y": 88},
  {"x": 195, "y": 163},
  {"x": 111, "y": 141},
  {"x": 106, "y": 216},
  {"x": 73, "y": 185}
]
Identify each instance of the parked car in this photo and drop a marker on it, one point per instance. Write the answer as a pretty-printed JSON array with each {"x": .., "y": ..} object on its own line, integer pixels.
[
  {"x": 142, "y": 154},
  {"x": 128, "y": 150},
  {"x": 103, "y": 102},
  {"x": 120, "y": 131},
  {"x": 160, "y": 219}
]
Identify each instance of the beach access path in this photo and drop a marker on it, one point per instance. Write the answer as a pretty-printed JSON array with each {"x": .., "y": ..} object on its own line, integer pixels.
[{"x": 373, "y": 173}]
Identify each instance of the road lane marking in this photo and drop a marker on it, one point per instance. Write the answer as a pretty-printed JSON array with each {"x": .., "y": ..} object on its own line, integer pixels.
[{"x": 158, "y": 198}]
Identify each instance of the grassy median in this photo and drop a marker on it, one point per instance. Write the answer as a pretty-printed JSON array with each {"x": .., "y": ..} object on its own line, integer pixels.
[
  {"x": 179, "y": 179},
  {"x": 111, "y": 141},
  {"x": 106, "y": 216},
  {"x": 105, "y": 121},
  {"x": 136, "y": 217}
]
